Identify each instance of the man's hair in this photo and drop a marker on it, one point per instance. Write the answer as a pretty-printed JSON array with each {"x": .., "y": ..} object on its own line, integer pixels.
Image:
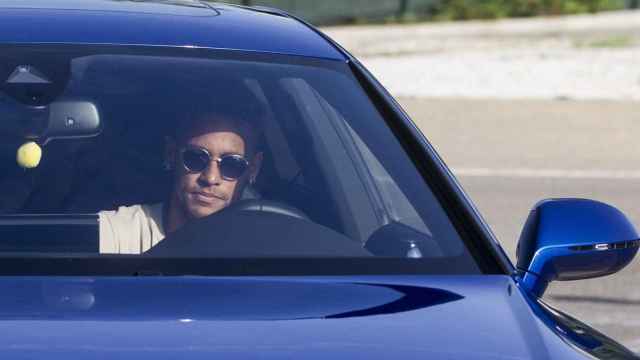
[{"x": 226, "y": 100}]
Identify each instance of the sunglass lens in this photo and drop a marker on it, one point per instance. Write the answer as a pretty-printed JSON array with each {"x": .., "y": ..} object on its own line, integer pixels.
[
  {"x": 233, "y": 167},
  {"x": 195, "y": 160}
]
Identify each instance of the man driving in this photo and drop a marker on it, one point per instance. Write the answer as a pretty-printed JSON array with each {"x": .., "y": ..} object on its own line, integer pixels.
[{"x": 213, "y": 154}]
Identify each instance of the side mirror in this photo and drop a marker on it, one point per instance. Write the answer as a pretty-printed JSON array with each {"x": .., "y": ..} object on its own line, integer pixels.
[{"x": 572, "y": 239}]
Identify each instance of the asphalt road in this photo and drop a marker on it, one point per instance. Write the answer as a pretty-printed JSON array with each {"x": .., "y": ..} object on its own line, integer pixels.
[{"x": 509, "y": 154}]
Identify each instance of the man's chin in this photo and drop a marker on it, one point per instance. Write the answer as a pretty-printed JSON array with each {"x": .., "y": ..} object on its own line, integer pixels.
[{"x": 198, "y": 211}]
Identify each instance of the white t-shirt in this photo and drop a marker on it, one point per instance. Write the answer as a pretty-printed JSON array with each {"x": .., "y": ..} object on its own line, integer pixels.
[{"x": 131, "y": 229}]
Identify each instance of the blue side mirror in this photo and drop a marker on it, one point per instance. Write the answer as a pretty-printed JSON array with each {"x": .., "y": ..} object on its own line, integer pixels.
[{"x": 572, "y": 239}]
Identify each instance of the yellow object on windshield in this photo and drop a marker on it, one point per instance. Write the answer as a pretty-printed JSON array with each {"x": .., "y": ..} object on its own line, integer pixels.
[{"x": 29, "y": 155}]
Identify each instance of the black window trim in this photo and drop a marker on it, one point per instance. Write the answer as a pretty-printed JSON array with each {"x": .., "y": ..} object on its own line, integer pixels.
[{"x": 473, "y": 231}]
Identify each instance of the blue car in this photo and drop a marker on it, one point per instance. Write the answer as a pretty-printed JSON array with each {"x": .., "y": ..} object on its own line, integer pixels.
[{"x": 183, "y": 179}]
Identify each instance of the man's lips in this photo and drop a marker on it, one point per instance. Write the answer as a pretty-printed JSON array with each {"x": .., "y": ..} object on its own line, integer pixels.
[{"x": 206, "y": 197}]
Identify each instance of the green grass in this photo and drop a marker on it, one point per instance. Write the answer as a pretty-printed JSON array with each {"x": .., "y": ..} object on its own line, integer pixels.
[
  {"x": 609, "y": 42},
  {"x": 387, "y": 11},
  {"x": 497, "y": 9},
  {"x": 448, "y": 10}
]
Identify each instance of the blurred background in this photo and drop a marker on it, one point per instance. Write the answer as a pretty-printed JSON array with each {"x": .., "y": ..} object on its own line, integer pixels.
[
  {"x": 525, "y": 100},
  {"x": 330, "y": 12}
]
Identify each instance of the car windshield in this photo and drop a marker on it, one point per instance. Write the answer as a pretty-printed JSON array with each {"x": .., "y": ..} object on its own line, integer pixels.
[{"x": 133, "y": 154}]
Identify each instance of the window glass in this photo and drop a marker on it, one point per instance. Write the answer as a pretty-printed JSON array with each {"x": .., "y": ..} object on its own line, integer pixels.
[{"x": 126, "y": 153}]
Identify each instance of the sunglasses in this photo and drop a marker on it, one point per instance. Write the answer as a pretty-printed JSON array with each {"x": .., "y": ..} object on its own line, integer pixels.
[{"x": 231, "y": 166}]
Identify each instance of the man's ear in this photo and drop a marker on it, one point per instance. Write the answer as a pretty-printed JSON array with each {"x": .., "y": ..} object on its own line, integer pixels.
[
  {"x": 255, "y": 166},
  {"x": 170, "y": 153}
]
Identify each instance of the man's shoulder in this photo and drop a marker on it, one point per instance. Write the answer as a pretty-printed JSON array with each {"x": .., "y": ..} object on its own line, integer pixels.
[
  {"x": 134, "y": 215},
  {"x": 134, "y": 210},
  {"x": 131, "y": 229}
]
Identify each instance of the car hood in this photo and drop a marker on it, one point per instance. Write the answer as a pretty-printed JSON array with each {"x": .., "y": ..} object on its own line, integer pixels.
[{"x": 464, "y": 317}]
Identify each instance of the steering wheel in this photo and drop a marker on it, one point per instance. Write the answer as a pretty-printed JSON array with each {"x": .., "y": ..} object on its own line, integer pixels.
[
  {"x": 256, "y": 228},
  {"x": 269, "y": 206}
]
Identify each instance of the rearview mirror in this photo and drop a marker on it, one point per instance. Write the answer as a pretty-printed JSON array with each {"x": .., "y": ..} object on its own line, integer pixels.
[
  {"x": 71, "y": 119},
  {"x": 572, "y": 239},
  {"x": 65, "y": 119}
]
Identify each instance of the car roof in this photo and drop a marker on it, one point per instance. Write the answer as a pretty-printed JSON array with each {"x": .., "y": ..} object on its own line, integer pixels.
[{"x": 176, "y": 23}]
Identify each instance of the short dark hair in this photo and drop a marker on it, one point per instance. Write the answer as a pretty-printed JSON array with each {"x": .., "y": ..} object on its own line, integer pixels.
[{"x": 226, "y": 99}]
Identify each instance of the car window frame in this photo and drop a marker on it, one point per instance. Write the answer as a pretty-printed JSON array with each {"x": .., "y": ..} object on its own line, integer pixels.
[
  {"x": 472, "y": 228},
  {"x": 236, "y": 55}
]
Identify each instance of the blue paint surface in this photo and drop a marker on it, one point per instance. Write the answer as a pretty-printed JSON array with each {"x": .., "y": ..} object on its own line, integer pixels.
[
  {"x": 383, "y": 317},
  {"x": 158, "y": 24},
  {"x": 273, "y": 317},
  {"x": 570, "y": 221},
  {"x": 568, "y": 231}
]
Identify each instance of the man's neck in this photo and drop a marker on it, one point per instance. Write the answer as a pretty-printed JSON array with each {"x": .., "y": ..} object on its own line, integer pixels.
[{"x": 173, "y": 217}]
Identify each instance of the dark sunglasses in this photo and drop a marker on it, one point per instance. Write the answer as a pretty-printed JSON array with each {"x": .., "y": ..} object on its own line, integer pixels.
[{"x": 231, "y": 166}]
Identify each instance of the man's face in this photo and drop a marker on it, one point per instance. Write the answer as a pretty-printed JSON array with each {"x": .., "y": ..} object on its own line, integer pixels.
[{"x": 203, "y": 193}]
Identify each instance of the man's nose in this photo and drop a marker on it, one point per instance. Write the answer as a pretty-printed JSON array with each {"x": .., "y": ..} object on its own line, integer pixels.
[{"x": 210, "y": 175}]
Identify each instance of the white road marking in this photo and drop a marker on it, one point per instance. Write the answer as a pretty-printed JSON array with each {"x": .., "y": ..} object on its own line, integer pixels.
[{"x": 546, "y": 173}]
